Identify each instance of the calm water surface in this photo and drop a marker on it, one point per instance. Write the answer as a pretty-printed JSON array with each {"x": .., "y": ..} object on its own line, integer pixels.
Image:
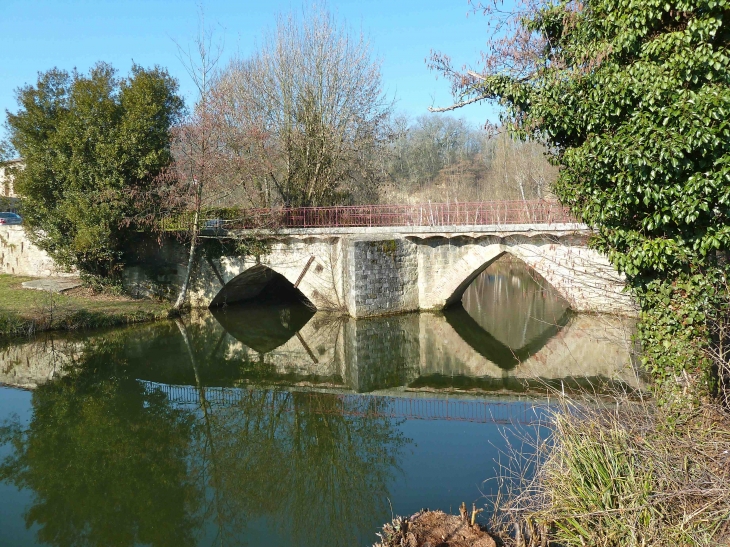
[{"x": 273, "y": 425}]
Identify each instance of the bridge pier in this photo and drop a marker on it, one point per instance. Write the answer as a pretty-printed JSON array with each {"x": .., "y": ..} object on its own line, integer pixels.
[{"x": 386, "y": 271}]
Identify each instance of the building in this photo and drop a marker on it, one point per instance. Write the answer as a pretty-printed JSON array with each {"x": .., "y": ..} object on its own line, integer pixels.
[
  {"x": 6, "y": 178},
  {"x": 8, "y": 196}
]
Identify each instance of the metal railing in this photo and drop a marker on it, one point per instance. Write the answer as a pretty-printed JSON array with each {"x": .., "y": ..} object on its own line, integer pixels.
[{"x": 497, "y": 213}]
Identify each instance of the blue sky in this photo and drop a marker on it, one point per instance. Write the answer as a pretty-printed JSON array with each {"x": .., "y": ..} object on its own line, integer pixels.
[{"x": 39, "y": 34}]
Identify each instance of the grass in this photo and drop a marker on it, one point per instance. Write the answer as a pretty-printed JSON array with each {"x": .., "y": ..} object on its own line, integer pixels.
[
  {"x": 622, "y": 474},
  {"x": 25, "y": 311}
]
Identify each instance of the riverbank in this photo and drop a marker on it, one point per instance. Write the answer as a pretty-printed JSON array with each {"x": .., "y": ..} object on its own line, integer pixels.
[
  {"x": 24, "y": 311},
  {"x": 624, "y": 474},
  {"x": 609, "y": 474}
]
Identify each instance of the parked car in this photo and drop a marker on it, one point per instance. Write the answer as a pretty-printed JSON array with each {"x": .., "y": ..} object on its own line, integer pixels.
[
  {"x": 10, "y": 218},
  {"x": 214, "y": 224}
]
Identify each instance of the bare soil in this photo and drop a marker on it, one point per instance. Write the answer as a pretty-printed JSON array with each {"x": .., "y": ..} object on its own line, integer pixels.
[{"x": 434, "y": 529}]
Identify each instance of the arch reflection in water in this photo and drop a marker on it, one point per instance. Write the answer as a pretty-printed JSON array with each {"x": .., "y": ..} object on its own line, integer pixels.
[
  {"x": 508, "y": 313},
  {"x": 414, "y": 352},
  {"x": 515, "y": 305},
  {"x": 264, "y": 328}
]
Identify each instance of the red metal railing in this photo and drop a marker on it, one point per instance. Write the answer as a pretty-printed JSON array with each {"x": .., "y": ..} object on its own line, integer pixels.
[{"x": 430, "y": 214}]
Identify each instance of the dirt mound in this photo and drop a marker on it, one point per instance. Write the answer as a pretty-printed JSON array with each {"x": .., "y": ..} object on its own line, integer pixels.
[{"x": 434, "y": 529}]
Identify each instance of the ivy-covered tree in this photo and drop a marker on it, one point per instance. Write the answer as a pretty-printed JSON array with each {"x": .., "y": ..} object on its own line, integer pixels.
[
  {"x": 89, "y": 142},
  {"x": 633, "y": 99}
]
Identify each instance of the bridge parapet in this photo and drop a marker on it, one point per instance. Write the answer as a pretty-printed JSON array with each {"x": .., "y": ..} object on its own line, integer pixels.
[{"x": 467, "y": 230}]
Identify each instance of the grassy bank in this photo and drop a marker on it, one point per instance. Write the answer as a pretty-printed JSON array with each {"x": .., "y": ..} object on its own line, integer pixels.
[
  {"x": 624, "y": 474},
  {"x": 25, "y": 311}
]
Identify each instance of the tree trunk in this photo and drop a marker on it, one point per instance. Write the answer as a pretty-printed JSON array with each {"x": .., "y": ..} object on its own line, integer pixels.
[{"x": 191, "y": 262}]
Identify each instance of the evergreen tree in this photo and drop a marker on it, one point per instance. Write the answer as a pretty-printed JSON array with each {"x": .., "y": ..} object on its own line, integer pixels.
[
  {"x": 633, "y": 99},
  {"x": 89, "y": 142}
]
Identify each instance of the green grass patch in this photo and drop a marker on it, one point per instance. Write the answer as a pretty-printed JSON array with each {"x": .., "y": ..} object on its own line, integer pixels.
[{"x": 25, "y": 311}]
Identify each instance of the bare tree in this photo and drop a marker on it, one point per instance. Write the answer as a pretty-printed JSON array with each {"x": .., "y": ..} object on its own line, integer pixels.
[
  {"x": 196, "y": 143},
  {"x": 311, "y": 105},
  {"x": 440, "y": 158},
  {"x": 175, "y": 202}
]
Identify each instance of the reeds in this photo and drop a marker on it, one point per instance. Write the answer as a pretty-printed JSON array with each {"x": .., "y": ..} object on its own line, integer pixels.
[{"x": 624, "y": 474}]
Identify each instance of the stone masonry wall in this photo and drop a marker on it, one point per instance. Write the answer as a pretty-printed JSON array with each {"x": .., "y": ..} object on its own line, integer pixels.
[
  {"x": 382, "y": 276},
  {"x": 18, "y": 256}
]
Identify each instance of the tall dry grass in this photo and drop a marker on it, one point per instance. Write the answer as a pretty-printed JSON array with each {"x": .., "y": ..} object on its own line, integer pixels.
[{"x": 622, "y": 474}]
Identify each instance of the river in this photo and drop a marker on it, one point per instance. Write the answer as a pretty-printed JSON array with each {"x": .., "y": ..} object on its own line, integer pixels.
[{"x": 272, "y": 424}]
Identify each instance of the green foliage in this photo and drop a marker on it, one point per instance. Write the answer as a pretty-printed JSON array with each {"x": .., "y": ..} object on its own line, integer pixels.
[
  {"x": 89, "y": 143},
  {"x": 634, "y": 98},
  {"x": 674, "y": 330},
  {"x": 6, "y": 153},
  {"x": 214, "y": 248},
  {"x": 388, "y": 247}
]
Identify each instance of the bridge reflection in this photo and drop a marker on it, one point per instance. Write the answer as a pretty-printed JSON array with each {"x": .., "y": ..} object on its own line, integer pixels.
[
  {"x": 511, "y": 333},
  {"x": 402, "y": 355}
]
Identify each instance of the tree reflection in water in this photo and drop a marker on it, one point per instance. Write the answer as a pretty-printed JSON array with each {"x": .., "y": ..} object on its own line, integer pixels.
[
  {"x": 314, "y": 472},
  {"x": 319, "y": 477},
  {"x": 112, "y": 464},
  {"x": 105, "y": 460}
]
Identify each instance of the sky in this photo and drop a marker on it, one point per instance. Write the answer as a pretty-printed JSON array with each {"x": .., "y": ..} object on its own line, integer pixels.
[{"x": 37, "y": 35}]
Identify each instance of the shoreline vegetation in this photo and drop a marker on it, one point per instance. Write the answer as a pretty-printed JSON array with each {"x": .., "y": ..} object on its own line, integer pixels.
[
  {"x": 608, "y": 473},
  {"x": 619, "y": 472},
  {"x": 24, "y": 312}
]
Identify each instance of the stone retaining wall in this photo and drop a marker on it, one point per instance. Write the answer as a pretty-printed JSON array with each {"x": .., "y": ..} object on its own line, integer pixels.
[{"x": 18, "y": 256}]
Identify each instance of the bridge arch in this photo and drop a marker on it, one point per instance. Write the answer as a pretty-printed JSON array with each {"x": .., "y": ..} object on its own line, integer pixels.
[
  {"x": 257, "y": 280},
  {"x": 580, "y": 275},
  {"x": 455, "y": 289},
  {"x": 545, "y": 257}
]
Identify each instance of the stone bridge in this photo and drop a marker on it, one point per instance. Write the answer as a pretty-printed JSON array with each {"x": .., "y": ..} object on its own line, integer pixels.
[
  {"x": 368, "y": 260},
  {"x": 412, "y": 262}
]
